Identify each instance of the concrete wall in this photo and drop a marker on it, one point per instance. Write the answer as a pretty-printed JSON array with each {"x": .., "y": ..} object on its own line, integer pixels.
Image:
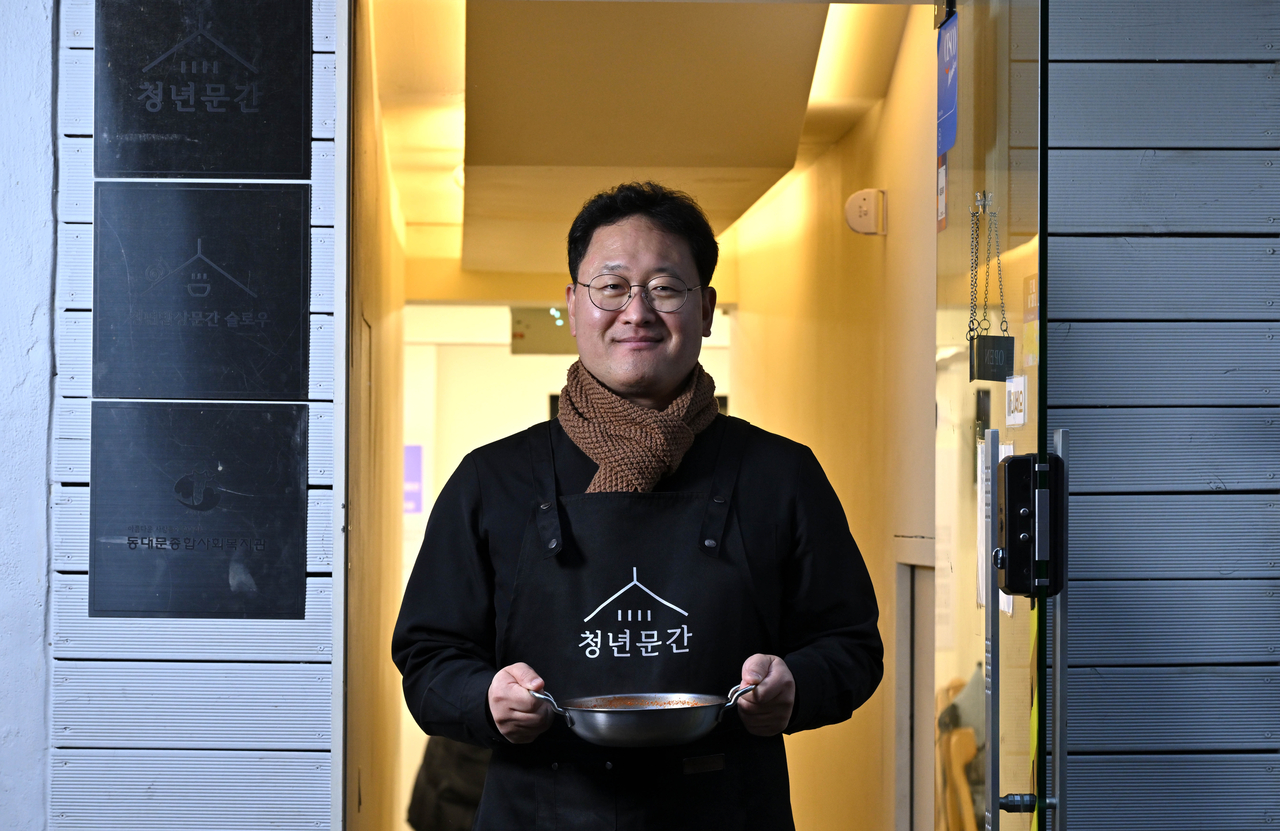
[
  {"x": 833, "y": 345},
  {"x": 26, "y": 330}
]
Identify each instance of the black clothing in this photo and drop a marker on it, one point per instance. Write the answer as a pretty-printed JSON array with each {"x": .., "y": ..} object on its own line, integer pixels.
[
  {"x": 767, "y": 562},
  {"x": 447, "y": 789}
]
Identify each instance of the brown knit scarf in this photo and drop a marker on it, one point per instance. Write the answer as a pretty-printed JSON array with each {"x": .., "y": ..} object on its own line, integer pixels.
[{"x": 634, "y": 446}]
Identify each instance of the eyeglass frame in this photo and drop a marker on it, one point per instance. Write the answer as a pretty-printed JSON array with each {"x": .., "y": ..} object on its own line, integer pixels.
[{"x": 631, "y": 293}]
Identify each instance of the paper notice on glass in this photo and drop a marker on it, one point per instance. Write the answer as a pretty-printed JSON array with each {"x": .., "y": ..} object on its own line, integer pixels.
[{"x": 984, "y": 514}]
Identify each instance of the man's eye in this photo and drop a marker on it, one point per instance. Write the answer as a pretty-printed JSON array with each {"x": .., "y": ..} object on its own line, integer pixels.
[
  {"x": 610, "y": 286},
  {"x": 663, "y": 290}
]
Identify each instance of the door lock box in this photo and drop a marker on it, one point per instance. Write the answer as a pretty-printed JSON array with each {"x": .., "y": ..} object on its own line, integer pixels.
[{"x": 1032, "y": 525}]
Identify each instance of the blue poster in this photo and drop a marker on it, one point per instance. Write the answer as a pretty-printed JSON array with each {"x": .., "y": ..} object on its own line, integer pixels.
[{"x": 948, "y": 97}]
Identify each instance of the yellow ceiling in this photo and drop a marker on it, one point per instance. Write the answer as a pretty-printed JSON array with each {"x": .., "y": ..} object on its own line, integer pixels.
[{"x": 550, "y": 101}]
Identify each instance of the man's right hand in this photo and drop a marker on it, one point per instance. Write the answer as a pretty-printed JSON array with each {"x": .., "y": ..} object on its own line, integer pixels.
[{"x": 520, "y": 717}]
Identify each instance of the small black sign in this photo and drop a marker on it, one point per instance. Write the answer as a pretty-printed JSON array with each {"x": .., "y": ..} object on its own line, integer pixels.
[
  {"x": 207, "y": 88},
  {"x": 201, "y": 290},
  {"x": 990, "y": 358},
  {"x": 198, "y": 510}
]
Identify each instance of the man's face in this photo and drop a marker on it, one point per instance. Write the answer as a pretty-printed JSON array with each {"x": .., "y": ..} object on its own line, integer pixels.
[{"x": 642, "y": 355}]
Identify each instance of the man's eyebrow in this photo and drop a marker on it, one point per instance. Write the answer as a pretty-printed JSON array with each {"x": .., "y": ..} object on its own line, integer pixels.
[{"x": 611, "y": 268}]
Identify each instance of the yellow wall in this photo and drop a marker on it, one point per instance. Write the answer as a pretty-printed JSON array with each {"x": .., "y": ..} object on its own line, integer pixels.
[
  {"x": 833, "y": 345},
  {"x": 374, "y": 457}
]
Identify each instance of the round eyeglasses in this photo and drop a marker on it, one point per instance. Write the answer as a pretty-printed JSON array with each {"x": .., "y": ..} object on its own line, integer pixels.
[{"x": 611, "y": 293}]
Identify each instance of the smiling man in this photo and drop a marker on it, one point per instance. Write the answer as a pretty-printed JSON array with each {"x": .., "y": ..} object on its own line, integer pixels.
[{"x": 640, "y": 543}]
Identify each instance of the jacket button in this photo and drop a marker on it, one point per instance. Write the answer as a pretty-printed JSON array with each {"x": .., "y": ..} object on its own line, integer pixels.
[
  {"x": 555, "y": 765},
  {"x": 546, "y": 506},
  {"x": 553, "y": 543},
  {"x": 709, "y": 543},
  {"x": 608, "y": 765},
  {"x": 719, "y": 500}
]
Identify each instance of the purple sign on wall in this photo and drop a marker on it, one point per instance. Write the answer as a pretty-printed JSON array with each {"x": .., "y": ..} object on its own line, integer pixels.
[{"x": 413, "y": 478}]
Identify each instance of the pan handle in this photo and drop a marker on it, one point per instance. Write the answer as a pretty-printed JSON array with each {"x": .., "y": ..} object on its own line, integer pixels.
[
  {"x": 543, "y": 696},
  {"x": 734, "y": 694}
]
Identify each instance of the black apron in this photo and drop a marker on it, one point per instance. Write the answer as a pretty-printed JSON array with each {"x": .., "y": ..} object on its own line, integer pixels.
[{"x": 634, "y": 593}]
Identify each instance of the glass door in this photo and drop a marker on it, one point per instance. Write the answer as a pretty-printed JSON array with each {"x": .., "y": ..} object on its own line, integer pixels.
[{"x": 988, "y": 286}]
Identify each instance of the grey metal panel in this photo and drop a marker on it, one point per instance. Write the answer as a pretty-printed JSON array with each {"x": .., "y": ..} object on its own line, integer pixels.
[
  {"x": 76, "y": 635},
  {"x": 1164, "y": 105},
  {"x": 1161, "y": 364},
  {"x": 1177, "y": 449},
  {"x": 1174, "y": 793},
  {"x": 1142, "y": 623},
  {"x": 1172, "y": 709},
  {"x": 191, "y": 706},
  {"x": 1163, "y": 30},
  {"x": 1174, "y": 536},
  {"x": 1164, "y": 191},
  {"x": 164, "y": 790},
  {"x": 1133, "y": 278}
]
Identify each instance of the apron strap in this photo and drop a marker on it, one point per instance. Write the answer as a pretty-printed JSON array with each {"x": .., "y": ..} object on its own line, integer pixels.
[
  {"x": 547, "y": 509},
  {"x": 726, "y": 476}
]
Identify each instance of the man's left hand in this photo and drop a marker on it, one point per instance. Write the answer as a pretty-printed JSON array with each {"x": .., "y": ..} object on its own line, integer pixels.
[{"x": 766, "y": 710}]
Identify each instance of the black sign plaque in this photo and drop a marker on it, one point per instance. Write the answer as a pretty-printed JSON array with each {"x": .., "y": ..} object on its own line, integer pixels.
[
  {"x": 203, "y": 88},
  {"x": 201, "y": 290},
  {"x": 198, "y": 510}
]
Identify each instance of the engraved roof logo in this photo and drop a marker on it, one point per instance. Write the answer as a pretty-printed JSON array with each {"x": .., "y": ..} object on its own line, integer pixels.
[{"x": 203, "y": 32}]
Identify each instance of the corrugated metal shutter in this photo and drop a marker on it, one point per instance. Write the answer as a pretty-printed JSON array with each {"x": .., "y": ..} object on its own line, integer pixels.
[{"x": 1160, "y": 354}]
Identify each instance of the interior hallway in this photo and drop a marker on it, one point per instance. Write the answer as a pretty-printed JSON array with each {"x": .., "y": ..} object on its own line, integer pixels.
[{"x": 831, "y": 337}]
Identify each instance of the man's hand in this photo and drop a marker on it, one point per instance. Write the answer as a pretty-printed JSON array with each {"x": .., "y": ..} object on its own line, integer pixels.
[
  {"x": 520, "y": 717},
  {"x": 766, "y": 710}
]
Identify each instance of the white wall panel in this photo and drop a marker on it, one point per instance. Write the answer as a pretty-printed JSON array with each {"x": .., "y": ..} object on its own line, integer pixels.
[
  {"x": 166, "y": 790},
  {"x": 69, "y": 518},
  {"x": 76, "y": 635},
  {"x": 75, "y": 267},
  {"x": 322, "y": 270},
  {"x": 120, "y": 704},
  {"x": 75, "y": 18},
  {"x": 324, "y": 95},
  {"x": 75, "y": 179},
  {"x": 75, "y": 92},
  {"x": 73, "y": 344},
  {"x": 322, "y": 171},
  {"x": 319, "y": 531},
  {"x": 320, "y": 444},
  {"x": 71, "y": 427},
  {"x": 320, "y": 364},
  {"x": 69, "y": 526},
  {"x": 324, "y": 16}
]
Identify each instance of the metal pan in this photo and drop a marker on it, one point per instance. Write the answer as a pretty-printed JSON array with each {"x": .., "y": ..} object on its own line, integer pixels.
[{"x": 644, "y": 720}]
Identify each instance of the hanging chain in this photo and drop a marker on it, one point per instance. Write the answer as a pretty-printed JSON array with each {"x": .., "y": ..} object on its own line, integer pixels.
[
  {"x": 995, "y": 224},
  {"x": 973, "y": 274},
  {"x": 994, "y": 229}
]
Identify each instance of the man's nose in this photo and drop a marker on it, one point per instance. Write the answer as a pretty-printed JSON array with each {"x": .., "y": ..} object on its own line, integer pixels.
[{"x": 638, "y": 309}]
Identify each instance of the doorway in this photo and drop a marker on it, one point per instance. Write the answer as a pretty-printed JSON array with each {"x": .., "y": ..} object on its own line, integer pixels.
[{"x": 470, "y": 160}]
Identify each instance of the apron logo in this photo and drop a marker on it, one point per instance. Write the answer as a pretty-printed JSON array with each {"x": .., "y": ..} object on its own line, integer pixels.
[{"x": 650, "y": 641}]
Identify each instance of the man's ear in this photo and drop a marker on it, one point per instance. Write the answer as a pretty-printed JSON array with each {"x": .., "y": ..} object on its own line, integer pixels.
[
  {"x": 568, "y": 301},
  {"x": 708, "y": 310}
]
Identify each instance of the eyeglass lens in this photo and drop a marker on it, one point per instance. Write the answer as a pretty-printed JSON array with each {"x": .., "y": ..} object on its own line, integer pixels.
[{"x": 610, "y": 293}]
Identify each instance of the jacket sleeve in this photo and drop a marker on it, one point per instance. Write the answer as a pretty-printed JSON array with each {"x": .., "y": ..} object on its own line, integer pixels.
[
  {"x": 444, "y": 637},
  {"x": 829, "y": 630}
]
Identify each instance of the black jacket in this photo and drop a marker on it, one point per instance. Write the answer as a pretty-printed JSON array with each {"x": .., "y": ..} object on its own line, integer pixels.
[{"x": 804, "y": 564}]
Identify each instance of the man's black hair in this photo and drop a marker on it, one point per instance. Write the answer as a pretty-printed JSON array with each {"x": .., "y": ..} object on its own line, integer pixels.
[{"x": 673, "y": 211}]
